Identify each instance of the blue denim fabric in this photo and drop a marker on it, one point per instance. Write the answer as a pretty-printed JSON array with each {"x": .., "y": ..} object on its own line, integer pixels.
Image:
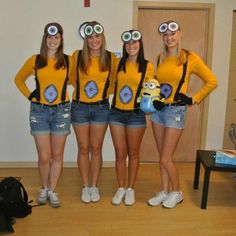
[
  {"x": 130, "y": 119},
  {"x": 171, "y": 116},
  {"x": 82, "y": 114},
  {"x": 54, "y": 120}
]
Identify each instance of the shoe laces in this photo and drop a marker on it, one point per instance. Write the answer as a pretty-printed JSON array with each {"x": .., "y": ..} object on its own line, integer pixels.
[
  {"x": 53, "y": 196},
  {"x": 43, "y": 191},
  {"x": 173, "y": 196},
  {"x": 94, "y": 190},
  {"x": 129, "y": 192}
]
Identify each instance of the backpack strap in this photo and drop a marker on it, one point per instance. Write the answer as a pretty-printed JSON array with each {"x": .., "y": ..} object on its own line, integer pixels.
[
  {"x": 104, "y": 95},
  {"x": 36, "y": 92},
  {"x": 63, "y": 95},
  {"x": 77, "y": 74}
]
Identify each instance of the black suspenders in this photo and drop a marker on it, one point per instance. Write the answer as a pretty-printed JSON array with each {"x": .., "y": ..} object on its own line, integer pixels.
[
  {"x": 36, "y": 92},
  {"x": 182, "y": 79},
  {"x": 104, "y": 95},
  {"x": 143, "y": 72},
  {"x": 63, "y": 94},
  {"x": 77, "y": 75},
  {"x": 181, "y": 82}
]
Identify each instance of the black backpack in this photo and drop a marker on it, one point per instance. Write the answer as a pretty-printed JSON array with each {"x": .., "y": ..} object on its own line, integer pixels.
[{"x": 14, "y": 198}]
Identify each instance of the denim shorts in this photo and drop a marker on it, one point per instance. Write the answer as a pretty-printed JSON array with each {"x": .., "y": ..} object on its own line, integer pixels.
[
  {"x": 82, "y": 114},
  {"x": 132, "y": 119},
  {"x": 171, "y": 116},
  {"x": 50, "y": 120}
]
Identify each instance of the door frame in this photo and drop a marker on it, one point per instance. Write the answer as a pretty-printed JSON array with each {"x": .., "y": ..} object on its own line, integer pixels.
[
  {"x": 210, "y": 8},
  {"x": 227, "y": 144}
]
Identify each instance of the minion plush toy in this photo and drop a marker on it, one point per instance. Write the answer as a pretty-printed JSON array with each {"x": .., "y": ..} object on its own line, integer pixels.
[{"x": 150, "y": 97}]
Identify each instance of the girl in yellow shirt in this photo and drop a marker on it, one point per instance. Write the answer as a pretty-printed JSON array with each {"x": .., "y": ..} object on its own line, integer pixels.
[
  {"x": 50, "y": 107},
  {"x": 90, "y": 106},
  {"x": 173, "y": 71},
  {"x": 127, "y": 121}
]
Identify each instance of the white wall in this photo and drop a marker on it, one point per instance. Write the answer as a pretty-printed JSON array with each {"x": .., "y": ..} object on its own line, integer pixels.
[{"x": 22, "y": 23}]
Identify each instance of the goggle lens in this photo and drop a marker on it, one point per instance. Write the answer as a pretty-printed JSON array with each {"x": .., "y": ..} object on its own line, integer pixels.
[
  {"x": 163, "y": 28},
  {"x": 98, "y": 29},
  {"x": 88, "y": 30},
  {"x": 52, "y": 30},
  {"x": 126, "y": 36},
  {"x": 136, "y": 35}
]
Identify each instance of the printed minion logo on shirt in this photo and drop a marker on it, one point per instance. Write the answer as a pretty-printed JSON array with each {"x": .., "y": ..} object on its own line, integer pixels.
[{"x": 150, "y": 92}]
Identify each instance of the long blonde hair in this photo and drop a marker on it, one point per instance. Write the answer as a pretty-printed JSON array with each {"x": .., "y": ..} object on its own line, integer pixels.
[
  {"x": 182, "y": 53},
  {"x": 104, "y": 60}
]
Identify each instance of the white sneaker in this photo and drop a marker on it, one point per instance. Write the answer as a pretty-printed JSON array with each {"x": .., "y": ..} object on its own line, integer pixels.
[
  {"x": 94, "y": 194},
  {"x": 158, "y": 199},
  {"x": 53, "y": 199},
  {"x": 129, "y": 197},
  {"x": 173, "y": 199},
  {"x": 85, "y": 196},
  {"x": 43, "y": 195},
  {"x": 118, "y": 197}
]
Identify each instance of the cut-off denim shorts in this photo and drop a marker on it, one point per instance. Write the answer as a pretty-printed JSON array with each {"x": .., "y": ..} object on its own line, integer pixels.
[
  {"x": 83, "y": 114},
  {"x": 54, "y": 119},
  {"x": 131, "y": 119},
  {"x": 171, "y": 116}
]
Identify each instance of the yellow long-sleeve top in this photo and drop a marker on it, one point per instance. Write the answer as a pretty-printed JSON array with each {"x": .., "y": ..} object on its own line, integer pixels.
[
  {"x": 92, "y": 84},
  {"x": 47, "y": 76},
  {"x": 169, "y": 72},
  {"x": 128, "y": 83}
]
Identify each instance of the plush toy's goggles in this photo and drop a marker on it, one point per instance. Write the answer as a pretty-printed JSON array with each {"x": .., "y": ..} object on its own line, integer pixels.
[
  {"x": 151, "y": 85},
  {"x": 86, "y": 29},
  {"x": 172, "y": 26},
  {"x": 134, "y": 35},
  {"x": 52, "y": 30}
]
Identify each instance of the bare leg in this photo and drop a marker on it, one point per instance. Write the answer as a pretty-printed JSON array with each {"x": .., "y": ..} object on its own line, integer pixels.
[
  {"x": 167, "y": 140},
  {"x": 82, "y": 137},
  {"x": 170, "y": 141},
  {"x": 57, "y": 147},
  {"x": 159, "y": 132},
  {"x": 43, "y": 147},
  {"x": 120, "y": 144},
  {"x": 134, "y": 138},
  {"x": 97, "y": 133}
]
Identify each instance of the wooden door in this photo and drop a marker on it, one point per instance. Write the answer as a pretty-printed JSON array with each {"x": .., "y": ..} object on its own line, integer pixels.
[
  {"x": 194, "y": 26},
  {"x": 231, "y": 99}
]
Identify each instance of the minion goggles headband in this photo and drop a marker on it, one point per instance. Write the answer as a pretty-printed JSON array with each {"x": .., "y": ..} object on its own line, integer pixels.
[
  {"x": 131, "y": 35},
  {"x": 86, "y": 29},
  {"x": 172, "y": 26},
  {"x": 52, "y": 30}
]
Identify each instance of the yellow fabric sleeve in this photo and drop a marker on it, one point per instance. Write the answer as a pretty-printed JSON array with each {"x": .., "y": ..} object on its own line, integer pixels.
[
  {"x": 23, "y": 74},
  {"x": 47, "y": 76},
  {"x": 203, "y": 72},
  {"x": 168, "y": 72}
]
